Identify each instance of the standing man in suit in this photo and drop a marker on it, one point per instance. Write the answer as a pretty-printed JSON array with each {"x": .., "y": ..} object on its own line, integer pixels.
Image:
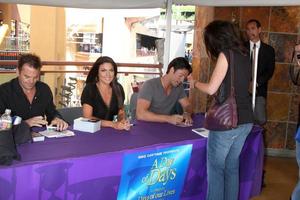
[{"x": 265, "y": 68}]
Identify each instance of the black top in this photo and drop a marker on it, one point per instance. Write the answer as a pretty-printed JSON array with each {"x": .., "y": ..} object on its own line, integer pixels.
[
  {"x": 265, "y": 67},
  {"x": 13, "y": 97},
  {"x": 92, "y": 97},
  {"x": 242, "y": 77}
]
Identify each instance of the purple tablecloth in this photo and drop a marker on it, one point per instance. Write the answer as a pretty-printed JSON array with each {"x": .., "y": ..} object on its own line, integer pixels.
[{"x": 88, "y": 166}]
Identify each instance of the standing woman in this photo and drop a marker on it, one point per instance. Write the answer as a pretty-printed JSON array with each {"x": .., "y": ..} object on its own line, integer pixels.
[
  {"x": 224, "y": 147},
  {"x": 103, "y": 97}
]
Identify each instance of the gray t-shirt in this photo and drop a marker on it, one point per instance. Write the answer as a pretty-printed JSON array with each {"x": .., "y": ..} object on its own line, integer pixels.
[{"x": 153, "y": 91}]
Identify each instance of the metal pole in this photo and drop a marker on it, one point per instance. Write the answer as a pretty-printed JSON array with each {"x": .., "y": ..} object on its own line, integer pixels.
[{"x": 168, "y": 35}]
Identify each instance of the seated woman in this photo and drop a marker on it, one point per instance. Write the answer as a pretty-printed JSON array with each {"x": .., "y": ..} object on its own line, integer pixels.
[{"x": 103, "y": 97}]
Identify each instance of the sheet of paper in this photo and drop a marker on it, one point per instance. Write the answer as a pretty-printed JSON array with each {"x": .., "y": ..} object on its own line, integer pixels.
[
  {"x": 57, "y": 134},
  {"x": 37, "y": 137},
  {"x": 201, "y": 131},
  {"x": 184, "y": 125}
]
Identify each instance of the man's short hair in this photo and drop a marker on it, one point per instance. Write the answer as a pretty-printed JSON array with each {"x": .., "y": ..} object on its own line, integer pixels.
[
  {"x": 258, "y": 25},
  {"x": 30, "y": 59},
  {"x": 180, "y": 63}
]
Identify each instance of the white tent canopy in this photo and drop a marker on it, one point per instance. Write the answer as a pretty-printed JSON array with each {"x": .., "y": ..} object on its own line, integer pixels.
[
  {"x": 126, "y": 4},
  {"x": 138, "y": 4}
]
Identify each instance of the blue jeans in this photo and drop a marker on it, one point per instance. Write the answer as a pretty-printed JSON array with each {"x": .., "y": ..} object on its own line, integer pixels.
[
  {"x": 223, "y": 151},
  {"x": 296, "y": 192}
]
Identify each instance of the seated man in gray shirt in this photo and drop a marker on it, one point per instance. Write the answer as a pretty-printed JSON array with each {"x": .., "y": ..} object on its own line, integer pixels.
[{"x": 158, "y": 96}]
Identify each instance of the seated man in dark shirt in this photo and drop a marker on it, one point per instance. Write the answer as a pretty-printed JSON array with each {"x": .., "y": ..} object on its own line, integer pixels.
[{"x": 29, "y": 98}]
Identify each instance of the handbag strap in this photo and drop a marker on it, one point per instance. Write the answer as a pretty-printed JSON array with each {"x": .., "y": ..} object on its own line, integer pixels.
[{"x": 231, "y": 65}]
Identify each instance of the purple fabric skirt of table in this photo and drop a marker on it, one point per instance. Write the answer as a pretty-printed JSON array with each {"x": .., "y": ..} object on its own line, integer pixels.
[{"x": 88, "y": 166}]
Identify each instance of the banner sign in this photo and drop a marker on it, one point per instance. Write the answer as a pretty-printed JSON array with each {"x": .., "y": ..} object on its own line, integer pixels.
[{"x": 155, "y": 174}]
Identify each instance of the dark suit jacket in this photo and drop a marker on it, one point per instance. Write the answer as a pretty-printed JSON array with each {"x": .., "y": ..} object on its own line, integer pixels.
[{"x": 265, "y": 67}]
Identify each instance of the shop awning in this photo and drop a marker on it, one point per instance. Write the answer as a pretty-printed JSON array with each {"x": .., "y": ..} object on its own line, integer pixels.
[{"x": 126, "y": 4}]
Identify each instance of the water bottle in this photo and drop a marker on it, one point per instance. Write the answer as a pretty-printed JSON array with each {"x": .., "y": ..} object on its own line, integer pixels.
[
  {"x": 115, "y": 118},
  {"x": 6, "y": 120},
  {"x": 134, "y": 85}
]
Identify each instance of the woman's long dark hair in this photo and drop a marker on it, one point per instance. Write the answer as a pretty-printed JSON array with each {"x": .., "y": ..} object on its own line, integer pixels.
[
  {"x": 221, "y": 35},
  {"x": 93, "y": 77}
]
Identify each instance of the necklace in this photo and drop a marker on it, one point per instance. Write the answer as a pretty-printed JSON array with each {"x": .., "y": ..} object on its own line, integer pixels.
[
  {"x": 28, "y": 91},
  {"x": 105, "y": 93},
  {"x": 165, "y": 87},
  {"x": 104, "y": 89},
  {"x": 29, "y": 94}
]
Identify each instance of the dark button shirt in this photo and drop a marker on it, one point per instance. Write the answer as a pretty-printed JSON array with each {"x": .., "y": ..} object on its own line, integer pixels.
[
  {"x": 13, "y": 97},
  {"x": 92, "y": 97}
]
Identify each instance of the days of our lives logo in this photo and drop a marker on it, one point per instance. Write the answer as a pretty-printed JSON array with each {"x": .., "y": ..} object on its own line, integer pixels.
[
  {"x": 160, "y": 172},
  {"x": 156, "y": 174}
]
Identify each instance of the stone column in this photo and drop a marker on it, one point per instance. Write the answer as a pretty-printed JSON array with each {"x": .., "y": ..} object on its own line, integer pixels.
[
  {"x": 48, "y": 40},
  {"x": 201, "y": 62}
]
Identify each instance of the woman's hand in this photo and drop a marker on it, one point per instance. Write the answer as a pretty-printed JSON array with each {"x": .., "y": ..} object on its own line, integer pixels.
[{"x": 122, "y": 125}]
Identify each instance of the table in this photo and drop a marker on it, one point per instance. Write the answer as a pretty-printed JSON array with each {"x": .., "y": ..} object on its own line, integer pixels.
[{"x": 88, "y": 166}]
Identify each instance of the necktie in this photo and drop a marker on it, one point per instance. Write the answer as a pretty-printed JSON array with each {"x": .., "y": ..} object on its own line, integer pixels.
[
  {"x": 253, "y": 58},
  {"x": 252, "y": 53}
]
